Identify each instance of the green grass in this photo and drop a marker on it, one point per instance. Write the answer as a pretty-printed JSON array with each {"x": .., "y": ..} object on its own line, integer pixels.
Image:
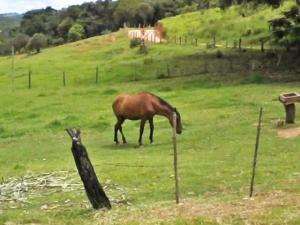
[
  {"x": 244, "y": 21},
  {"x": 219, "y": 113}
]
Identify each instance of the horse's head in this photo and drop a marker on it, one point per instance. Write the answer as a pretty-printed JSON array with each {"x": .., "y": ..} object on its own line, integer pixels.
[{"x": 178, "y": 122}]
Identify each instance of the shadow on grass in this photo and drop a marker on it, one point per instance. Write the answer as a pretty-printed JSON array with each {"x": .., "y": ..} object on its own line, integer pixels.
[{"x": 132, "y": 146}]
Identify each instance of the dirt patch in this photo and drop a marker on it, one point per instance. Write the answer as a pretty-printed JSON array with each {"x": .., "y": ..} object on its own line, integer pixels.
[{"x": 289, "y": 132}]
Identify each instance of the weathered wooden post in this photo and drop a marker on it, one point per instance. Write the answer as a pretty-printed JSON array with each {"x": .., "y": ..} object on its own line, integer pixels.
[
  {"x": 29, "y": 79},
  {"x": 93, "y": 188},
  {"x": 175, "y": 158},
  {"x": 97, "y": 74},
  {"x": 240, "y": 44},
  {"x": 288, "y": 100},
  {"x": 255, "y": 151},
  {"x": 64, "y": 79},
  {"x": 290, "y": 111}
]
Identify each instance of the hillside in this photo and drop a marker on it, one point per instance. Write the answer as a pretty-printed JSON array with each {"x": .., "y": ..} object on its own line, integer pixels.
[
  {"x": 241, "y": 21},
  {"x": 218, "y": 96},
  {"x": 9, "y": 20}
]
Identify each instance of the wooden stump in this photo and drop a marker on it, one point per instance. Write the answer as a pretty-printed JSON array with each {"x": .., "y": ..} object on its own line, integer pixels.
[
  {"x": 290, "y": 111},
  {"x": 289, "y": 100},
  {"x": 93, "y": 188}
]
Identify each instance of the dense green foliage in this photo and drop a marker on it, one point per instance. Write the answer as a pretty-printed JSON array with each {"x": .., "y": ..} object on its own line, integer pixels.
[
  {"x": 286, "y": 30},
  {"x": 76, "y": 33},
  {"x": 248, "y": 22}
]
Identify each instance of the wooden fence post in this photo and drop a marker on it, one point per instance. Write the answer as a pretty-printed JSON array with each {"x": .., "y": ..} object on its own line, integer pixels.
[
  {"x": 255, "y": 151},
  {"x": 240, "y": 44},
  {"x": 29, "y": 79},
  {"x": 93, "y": 188},
  {"x": 168, "y": 70},
  {"x": 64, "y": 79},
  {"x": 180, "y": 40},
  {"x": 214, "y": 41},
  {"x": 175, "y": 158},
  {"x": 262, "y": 45},
  {"x": 97, "y": 74}
]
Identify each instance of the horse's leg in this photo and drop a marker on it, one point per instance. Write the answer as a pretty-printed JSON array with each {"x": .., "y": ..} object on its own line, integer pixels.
[
  {"x": 151, "y": 129},
  {"x": 117, "y": 127},
  {"x": 121, "y": 131},
  {"x": 116, "y": 133},
  {"x": 142, "y": 130}
]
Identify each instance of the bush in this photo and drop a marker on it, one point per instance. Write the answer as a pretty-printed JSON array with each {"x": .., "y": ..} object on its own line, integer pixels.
[
  {"x": 58, "y": 41},
  {"x": 135, "y": 42},
  {"x": 20, "y": 42},
  {"x": 37, "y": 42},
  {"x": 76, "y": 33}
]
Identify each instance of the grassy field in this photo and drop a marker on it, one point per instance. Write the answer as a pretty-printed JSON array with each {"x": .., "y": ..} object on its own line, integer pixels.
[
  {"x": 219, "y": 113},
  {"x": 244, "y": 21}
]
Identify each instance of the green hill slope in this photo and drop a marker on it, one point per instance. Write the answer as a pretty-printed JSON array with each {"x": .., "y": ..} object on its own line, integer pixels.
[{"x": 231, "y": 24}]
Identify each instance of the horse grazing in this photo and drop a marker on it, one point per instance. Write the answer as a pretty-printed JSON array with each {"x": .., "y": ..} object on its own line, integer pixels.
[{"x": 143, "y": 106}]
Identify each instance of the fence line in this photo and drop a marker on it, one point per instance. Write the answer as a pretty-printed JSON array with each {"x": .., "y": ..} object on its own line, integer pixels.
[
  {"x": 236, "y": 44},
  {"x": 213, "y": 64}
]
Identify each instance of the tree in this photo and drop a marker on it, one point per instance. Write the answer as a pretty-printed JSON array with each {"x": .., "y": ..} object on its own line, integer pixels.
[
  {"x": 146, "y": 12},
  {"x": 37, "y": 42},
  {"x": 64, "y": 27},
  {"x": 286, "y": 30},
  {"x": 76, "y": 32},
  {"x": 20, "y": 41}
]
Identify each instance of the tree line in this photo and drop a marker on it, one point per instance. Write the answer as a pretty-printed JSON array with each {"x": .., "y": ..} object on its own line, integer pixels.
[{"x": 48, "y": 26}]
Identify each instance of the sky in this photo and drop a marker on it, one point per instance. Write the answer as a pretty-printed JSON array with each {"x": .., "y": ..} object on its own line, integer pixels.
[{"x": 21, "y": 6}]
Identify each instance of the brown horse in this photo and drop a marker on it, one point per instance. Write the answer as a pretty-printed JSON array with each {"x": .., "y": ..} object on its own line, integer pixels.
[{"x": 143, "y": 106}]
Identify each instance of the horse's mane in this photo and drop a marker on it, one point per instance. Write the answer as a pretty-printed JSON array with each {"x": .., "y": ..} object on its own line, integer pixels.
[{"x": 163, "y": 102}]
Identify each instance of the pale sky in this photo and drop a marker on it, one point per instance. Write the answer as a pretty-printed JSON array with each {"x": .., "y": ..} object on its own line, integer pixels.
[{"x": 21, "y": 6}]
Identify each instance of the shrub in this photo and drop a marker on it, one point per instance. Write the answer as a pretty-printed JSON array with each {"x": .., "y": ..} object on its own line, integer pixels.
[
  {"x": 135, "y": 42},
  {"x": 58, "y": 41},
  {"x": 20, "y": 42},
  {"x": 37, "y": 42},
  {"x": 76, "y": 33}
]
